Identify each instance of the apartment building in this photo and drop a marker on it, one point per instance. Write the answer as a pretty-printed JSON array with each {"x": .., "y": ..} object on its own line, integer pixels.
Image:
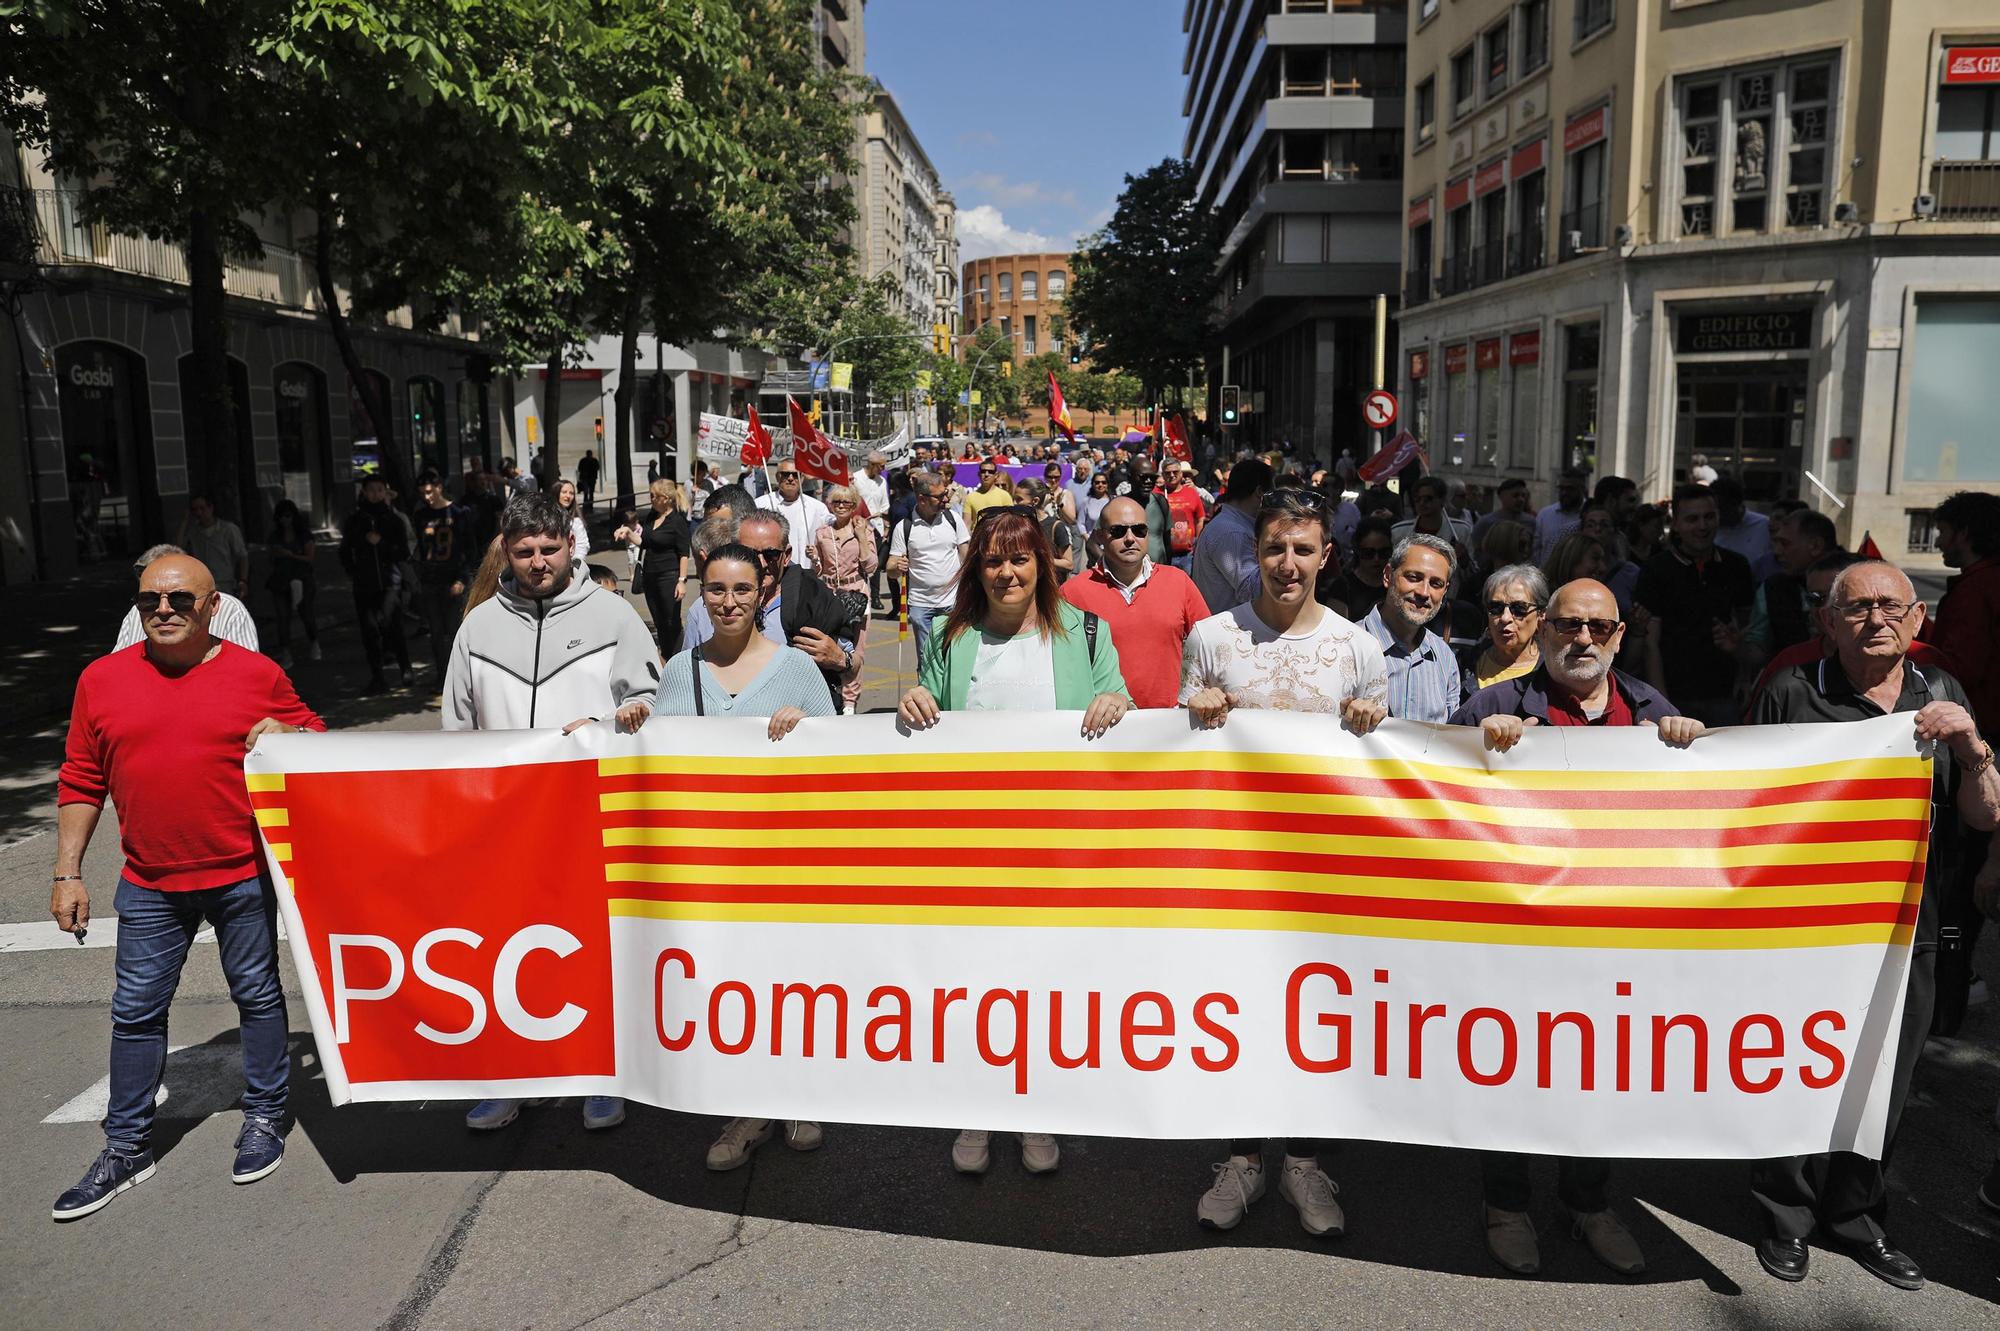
[
  {"x": 900, "y": 214},
  {"x": 944, "y": 302},
  {"x": 1764, "y": 231},
  {"x": 1294, "y": 125},
  {"x": 1022, "y": 295}
]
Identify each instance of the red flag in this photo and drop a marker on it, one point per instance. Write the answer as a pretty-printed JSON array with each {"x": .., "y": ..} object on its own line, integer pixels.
[
  {"x": 1059, "y": 410},
  {"x": 1177, "y": 440},
  {"x": 1397, "y": 454},
  {"x": 1869, "y": 550},
  {"x": 812, "y": 452},
  {"x": 757, "y": 444}
]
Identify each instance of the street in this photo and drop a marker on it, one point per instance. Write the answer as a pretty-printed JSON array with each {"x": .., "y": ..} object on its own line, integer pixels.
[{"x": 397, "y": 1216}]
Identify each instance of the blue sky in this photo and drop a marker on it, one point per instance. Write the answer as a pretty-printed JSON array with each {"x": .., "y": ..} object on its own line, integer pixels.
[{"x": 1033, "y": 111}]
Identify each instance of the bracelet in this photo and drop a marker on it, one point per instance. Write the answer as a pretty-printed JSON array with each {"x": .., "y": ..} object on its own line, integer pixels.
[
  {"x": 69, "y": 878},
  {"x": 1981, "y": 766}
]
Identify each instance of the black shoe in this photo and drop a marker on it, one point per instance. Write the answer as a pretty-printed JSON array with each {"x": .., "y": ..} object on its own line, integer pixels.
[
  {"x": 1881, "y": 1260},
  {"x": 1989, "y": 1189},
  {"x": 112, "y": 1173},
  {"x": 1784, "y": 1258}
]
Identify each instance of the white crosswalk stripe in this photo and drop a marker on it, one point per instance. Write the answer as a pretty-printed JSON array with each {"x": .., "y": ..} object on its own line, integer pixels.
[{"x": 43, "y": 936}]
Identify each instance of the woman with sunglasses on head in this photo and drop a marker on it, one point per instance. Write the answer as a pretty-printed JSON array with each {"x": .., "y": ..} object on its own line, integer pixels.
[
  {"x": 843, "y": 551},
  {"x": 1513, "y": 601},
  {"x": 738, "y": 671},
  {"x": 1012, "y": 644},
  {"x": 1362, "y": 583}
]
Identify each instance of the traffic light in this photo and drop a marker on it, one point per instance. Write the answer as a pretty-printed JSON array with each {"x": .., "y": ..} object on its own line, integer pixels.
[
  {"x": 813, "y": 415},
  {"x": 1076, "y": 353},
  {"x": 1006, "y": 369},
  {"x": 941, "y": 339},
  {"x": 600, "y": 432},
  {"x": 1232, "y": 400}
]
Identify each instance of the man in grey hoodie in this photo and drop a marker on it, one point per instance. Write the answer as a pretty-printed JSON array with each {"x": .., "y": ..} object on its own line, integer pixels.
[{"x": 551, "y": 648}]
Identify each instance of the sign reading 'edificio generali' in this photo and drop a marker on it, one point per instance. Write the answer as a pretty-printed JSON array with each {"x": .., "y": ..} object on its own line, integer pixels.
[{"x": 1744, "y": 331}]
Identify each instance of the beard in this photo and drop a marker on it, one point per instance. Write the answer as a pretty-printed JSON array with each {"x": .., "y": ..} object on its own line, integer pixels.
[{"x": 1580, "y": 674}]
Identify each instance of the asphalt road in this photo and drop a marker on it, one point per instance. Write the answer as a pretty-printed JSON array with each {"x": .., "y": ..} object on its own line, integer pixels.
[{"x": 398, "y": 1217}]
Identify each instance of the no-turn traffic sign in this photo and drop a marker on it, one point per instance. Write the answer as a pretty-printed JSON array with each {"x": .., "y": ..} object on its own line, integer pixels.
[{"x": 1380, "y": 409}]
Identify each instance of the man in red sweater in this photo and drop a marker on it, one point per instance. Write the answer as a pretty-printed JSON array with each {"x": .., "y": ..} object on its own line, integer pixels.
[
  {"x": 1149, "y": 608},
  {"x": 160, "y": 729}
]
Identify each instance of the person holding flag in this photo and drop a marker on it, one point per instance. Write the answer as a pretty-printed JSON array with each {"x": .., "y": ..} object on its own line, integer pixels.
[
  {"x": 756, "y": 450},
  {"x": 803, "y": 513}
]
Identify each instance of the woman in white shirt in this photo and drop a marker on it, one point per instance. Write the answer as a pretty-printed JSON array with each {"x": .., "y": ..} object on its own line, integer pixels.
[{"x": 579, "y": 534}]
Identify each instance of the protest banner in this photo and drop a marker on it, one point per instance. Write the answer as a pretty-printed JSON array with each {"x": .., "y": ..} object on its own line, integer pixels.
[
  {"x": 1591, "y": 945},
  {"x": 720, "y": 438}
]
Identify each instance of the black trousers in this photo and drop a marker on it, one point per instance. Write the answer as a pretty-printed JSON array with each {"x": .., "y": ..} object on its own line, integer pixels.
[
  {"x": 439, "y": 608},
  {"x": 380, "y": 615},
  {"x": 666, "y": 613},
  {"x": 1307, "y": 1148},
  {"x": 1840, "y": 1191},
  {"x": 1581, "y": 1184}
]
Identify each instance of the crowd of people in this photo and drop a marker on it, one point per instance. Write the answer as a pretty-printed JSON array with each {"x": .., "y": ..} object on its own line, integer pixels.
[{"x": 1106, "y": 582}]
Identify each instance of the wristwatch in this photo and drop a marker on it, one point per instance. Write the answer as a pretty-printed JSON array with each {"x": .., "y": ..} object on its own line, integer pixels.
[
  {"x": 847, "y": 664},
  {"x": 1977, "y": 768}
]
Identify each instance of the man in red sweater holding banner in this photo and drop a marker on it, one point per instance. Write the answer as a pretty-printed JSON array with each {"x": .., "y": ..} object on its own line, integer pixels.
[{"x": 160, "y": 729}]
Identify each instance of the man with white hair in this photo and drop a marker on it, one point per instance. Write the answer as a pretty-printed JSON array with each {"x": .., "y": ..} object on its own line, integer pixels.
[
  {"x": 232, "y": 622},
  {"x": 1870, "y": 618},
  {"x": 1575, "y": 685},
  {"x": 871, "y": 483}
]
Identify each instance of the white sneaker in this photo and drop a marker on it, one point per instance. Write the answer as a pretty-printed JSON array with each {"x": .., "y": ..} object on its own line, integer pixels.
[
  {"x": 1239, "y": 1181},
  {"x": 1305, "y": 1185},
  {"x": 970, "y": 1153},
  {"x": 740, "y": 1136},
  {"x": 803, "y": 1136},
  {"x": 1039, "y": 1153}
]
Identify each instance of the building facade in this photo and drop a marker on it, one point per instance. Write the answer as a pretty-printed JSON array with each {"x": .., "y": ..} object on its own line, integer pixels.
[
  {"x": 1022, "y": 295},
  {"x": 1764, "y": 232},
  {"x": 944, "y": 294},
  {"x": 1294, "y": 126},
  {"x": 900, "y": 215},
  {"x": 97, "y": 450}
]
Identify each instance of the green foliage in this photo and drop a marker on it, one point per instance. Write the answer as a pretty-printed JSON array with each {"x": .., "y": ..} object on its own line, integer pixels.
[
  {"x": 879, "y": 342},
  {"x": 1142, "y": 294}
]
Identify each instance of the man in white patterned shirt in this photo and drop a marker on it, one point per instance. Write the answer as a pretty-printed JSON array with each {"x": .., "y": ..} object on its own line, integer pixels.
[{"x": 1286, "y": 652}]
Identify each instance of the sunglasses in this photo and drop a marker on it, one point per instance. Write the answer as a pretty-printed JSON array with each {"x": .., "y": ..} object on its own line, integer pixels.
[
  {"x": 1117, "y": 529},
  {"x": 181, "y": 603},
  {"x": 788, "y": 476},
  {"x": 1518, "y": 609},
  {"x": 1569, "y": 626},
  {"x": 770, "y": 556},
  {"x": 1019, "y": 510},
  {"x": 1362, "y": 552},
  {"x": 1287, "y": 495}
]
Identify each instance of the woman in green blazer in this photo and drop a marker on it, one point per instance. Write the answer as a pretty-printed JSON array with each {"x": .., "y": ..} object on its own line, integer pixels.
[{"x": 1012, "y": 643}]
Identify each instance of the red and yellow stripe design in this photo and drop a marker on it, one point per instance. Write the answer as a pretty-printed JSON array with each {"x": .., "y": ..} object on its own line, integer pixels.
[{"x": 1791, "y": 857}]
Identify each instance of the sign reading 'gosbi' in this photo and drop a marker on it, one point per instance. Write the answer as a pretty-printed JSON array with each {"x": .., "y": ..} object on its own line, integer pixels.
[{"x": 1592, "y": 945}]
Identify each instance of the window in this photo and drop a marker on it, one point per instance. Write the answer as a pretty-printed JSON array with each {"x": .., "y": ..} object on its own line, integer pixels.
[
  {"x": 1458, "y": 249},
  {"x": 1530, "y": 241},
  {"x": 1420, "y": 261},
  {"x": 1968, "y": 124},
  {"x": 1464, "y": 83},
  {"x": 1426, "y": 9},
  {"x": 1304, "y": 155},
  {"x": 1527, "y": 413},
  {"x": 1305, "y": 71},
  {"x": 1534, "y": 36},
  {"x": 1492, "y": 236},
  {"x": 1954, "y": 394},
  {"x": 1426, "y": 110},
  {"x": 1027, "y": 329},
  {"x": 1006, "y": 327},
  {"x": 1753, "y": 147},
  {"x": 1030, "y": 285},
  {"x": 1365, "y": 154},
  {"x": 1457, "y": 418},
  {"x": 1058, "y": 282},
  {"x": 1006, "y": 286},
  {"x": 1585, "y": 172},
  {"x": 1580, "y": 354},
  {"x": 1593, "y": 17},
  {"x": 1488, "y": 397},
  {"x": 1497, "y": 40}
]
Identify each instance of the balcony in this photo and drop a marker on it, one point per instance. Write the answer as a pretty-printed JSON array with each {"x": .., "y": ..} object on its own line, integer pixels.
[
  {"x": 62, "y": 240},
  {"x": 1416, "y": 287},
  {"x": 1583, "y": 232},
  {"x": 1455, "y": 275},
  {"x": 1488, "y": 262},
  {"x": 1526, "y": 253},
  {"x": 1966, "y": 191}
]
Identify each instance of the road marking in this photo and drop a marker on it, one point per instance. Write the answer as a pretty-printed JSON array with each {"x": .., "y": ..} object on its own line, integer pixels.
[
  {"x": 209, "y": 1078},
  {"x": 43, "y": 936}
]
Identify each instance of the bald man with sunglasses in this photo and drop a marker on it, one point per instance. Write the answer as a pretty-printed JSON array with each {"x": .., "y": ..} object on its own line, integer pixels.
[{"x": 159, "y": 730}]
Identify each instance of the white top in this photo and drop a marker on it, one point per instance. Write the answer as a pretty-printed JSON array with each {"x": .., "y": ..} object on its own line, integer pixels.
[
  {"x": 1313, "y": 671},
  {"x": 579, "y": 539},
  {"x": 875, "y": 494},
  {"x": 232, "y": 623},
  {"x": 933, "y": 555},
  {"x": 1016, "y": 674},
  {"x": 806, "y": 515}
]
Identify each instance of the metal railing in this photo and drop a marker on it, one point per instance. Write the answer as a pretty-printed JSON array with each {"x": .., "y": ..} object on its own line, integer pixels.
[
  {"x": 1416, "y": 287},
  {"x": 1526, "y": 252},
  {"x": 1583, "y": 231},
  {"x": 64, "y": 239},
  {"x": 1455, "y": 274},
  {"x": 1488, "y": 262},
  {"x": 1966, "y": 191}
]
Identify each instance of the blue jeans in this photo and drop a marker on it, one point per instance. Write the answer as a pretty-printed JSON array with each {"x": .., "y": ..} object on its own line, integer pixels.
[
  {"x": 154, "y": 931},
  {"x": 920, "y": 627}
]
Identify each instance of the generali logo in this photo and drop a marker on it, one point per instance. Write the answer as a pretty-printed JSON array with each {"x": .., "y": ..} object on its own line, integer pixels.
[{"x": 1973, "y": 64}]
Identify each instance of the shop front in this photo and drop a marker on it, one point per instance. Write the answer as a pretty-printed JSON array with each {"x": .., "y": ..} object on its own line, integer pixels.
[
  {"x": 1741, "y": 384},
  {"x": 305, "y": 441},
  {"x": 107, "y": 440}
]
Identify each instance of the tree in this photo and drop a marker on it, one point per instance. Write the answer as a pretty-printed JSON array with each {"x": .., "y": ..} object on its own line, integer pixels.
[
  {"x": 157, "y": 114},
  {"x": 1142, "y": 292},
  {"x": 886, "y": 352}
]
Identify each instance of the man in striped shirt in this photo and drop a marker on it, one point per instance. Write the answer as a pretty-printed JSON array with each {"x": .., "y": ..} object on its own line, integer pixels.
[
  {"x": 232, "y": 623},
  {"x": 1423, "y": 673}
]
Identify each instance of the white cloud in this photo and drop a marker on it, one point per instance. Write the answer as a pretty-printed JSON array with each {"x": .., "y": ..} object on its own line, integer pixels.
[
  {"x": 983, "y": 232},
  {"x": 1018, "y": 192}
]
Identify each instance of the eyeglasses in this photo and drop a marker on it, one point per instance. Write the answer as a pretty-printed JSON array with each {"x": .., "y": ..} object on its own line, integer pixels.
[
  {"x": 1568, "y": 626},
  {"x": 1019, "y": 510},
  {"x": 1859, "y": 612},
  {"x": 181, "y": 603},
  {"x": 840, "y": 503},
  {"x": 1117, "y": 529},
  {"x": 1816, "y": 599},
  {"x": 1518, "y": 609},
  {"x": 715, "y": 591}
]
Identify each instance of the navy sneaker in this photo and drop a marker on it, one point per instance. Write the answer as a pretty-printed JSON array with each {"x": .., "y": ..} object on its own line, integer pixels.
[
  {"x": 114, "y": 1171},
  {"x": 260, "y": 1148}
]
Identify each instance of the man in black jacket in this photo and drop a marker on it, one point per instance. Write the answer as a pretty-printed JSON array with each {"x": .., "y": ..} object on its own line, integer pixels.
[
  {"x": 374, "y": 545},
  {"x": 811, "y": 616}
]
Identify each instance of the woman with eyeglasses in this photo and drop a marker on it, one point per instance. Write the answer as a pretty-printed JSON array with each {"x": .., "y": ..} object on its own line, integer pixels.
[
  {"x": 1514, "y": 600},
  {"x": 1012, "y": 644},
  {"x": 738, "y": 671},
  {"x": 844, "y": 553},
  {"x": 1363, "y": 582}
]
